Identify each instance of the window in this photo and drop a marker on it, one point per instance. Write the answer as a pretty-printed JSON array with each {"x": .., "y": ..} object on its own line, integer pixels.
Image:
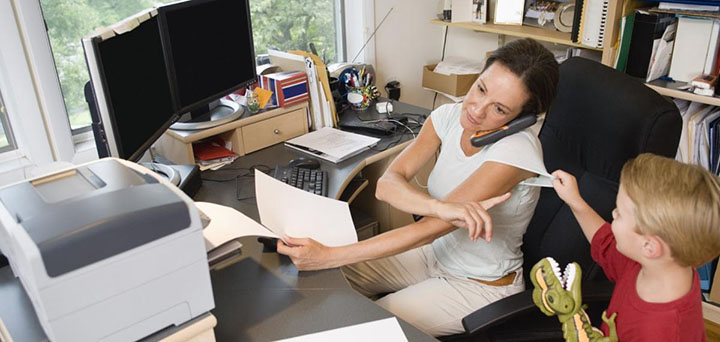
[
  {"x": 68, "y": 21},
  {"x": 294, "y": 24},
  {"x": 7, "y": 141},
  {"x": 280, "y": 24}
]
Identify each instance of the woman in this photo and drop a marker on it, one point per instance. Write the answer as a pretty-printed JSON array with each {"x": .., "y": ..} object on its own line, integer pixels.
[{"x": 435, "y": 274}]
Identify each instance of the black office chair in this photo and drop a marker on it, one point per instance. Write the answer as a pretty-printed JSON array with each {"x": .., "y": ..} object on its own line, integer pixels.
[{"x": 600, "y": 119}]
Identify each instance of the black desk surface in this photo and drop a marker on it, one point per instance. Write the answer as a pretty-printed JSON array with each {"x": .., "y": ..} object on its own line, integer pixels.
[{"x": 262, "y": 297}]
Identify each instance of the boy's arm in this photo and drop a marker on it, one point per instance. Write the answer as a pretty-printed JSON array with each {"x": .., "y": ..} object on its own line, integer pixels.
[{"x": 566, "y": 187}]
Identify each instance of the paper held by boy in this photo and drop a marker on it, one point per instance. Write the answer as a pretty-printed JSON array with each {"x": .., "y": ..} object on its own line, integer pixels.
[{"x": 284, "y": 210}]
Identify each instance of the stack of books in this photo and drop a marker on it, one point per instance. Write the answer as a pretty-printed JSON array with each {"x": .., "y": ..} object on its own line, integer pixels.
[{"x": 213, "y": 154}]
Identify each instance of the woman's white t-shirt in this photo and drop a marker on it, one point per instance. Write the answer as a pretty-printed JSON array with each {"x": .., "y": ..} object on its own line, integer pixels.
[{"x": 455, "y": 251}]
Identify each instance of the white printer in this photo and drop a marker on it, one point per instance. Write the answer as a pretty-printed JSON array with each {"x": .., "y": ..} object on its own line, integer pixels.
[{"x": 107, "y": 251}]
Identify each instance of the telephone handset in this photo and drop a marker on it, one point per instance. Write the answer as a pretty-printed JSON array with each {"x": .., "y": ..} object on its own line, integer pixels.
[{"x": 515, "y": 125}]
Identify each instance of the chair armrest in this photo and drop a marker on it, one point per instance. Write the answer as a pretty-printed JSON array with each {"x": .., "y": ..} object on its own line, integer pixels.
[
  {"x": 498, "y": 312},
  {"x": 519, "y": 303}
]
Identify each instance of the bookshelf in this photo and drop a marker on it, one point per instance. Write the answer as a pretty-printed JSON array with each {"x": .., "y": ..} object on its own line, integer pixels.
[
  {"x": 551, "y": 36},
  {"x": 669, "y": 89},
  {"x": 522, "y": 31}
]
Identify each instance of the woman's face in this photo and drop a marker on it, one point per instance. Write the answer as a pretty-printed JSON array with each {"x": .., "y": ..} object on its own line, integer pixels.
[{"x": 495, "y": 98}]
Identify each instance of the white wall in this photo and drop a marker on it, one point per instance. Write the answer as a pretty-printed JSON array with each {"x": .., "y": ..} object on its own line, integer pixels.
[{"x": 407, "y": 41}]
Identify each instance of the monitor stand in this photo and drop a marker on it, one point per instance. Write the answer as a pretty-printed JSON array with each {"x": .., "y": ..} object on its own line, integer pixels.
[
  {"x": 168, "y": 172},
  {"x": 220, "y": 112}
]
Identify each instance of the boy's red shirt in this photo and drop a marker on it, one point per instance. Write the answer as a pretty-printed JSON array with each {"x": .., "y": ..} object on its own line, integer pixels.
[{"x": 638, "y": 320}]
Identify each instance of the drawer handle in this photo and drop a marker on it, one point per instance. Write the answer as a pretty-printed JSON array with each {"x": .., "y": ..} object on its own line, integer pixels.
[{"x": 276, "y": 131}]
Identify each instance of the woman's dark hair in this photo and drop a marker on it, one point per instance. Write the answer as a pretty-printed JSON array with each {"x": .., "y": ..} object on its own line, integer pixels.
[{"x": 535, "y": 66}]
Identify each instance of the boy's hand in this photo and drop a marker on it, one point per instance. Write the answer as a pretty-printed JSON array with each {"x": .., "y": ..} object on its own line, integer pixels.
[{"x": 566, "y": 187}]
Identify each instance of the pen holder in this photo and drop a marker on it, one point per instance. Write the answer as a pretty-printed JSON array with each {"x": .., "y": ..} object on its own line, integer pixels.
[{"x": 359, "y": 97}]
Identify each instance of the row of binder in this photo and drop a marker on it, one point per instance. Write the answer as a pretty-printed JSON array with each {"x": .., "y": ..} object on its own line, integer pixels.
[
  {"x": 653, "y": 44},
  {"x": 700, "y": 137},
  {"x": 322, "y": 107}
]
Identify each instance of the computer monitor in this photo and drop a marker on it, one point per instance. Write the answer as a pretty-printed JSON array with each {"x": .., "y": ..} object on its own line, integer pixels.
[
  {"x": 209, "y": 52},
  {"x": 128, "y": 74},
  {"x": 147, "y": 70}
]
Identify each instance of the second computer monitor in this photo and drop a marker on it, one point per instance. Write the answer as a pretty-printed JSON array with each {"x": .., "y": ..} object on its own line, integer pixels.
[{"x": 209, "y": 48}]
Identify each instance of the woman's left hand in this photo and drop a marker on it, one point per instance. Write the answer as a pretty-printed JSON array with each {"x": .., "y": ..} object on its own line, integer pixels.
[{"x": 306, "y": 253}]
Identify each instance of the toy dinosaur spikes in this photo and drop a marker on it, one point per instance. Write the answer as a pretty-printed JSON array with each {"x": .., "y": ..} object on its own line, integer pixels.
[{"x": 558, "y": 293}]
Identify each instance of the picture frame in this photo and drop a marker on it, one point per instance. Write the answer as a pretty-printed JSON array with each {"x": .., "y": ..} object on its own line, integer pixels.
[
  {"x": 479, "y": 11},
  {"x": 509, "y": 12}
]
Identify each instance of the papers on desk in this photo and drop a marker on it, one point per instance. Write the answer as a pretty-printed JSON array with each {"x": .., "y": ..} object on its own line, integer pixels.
[
  {"x": 284, "y": 210},
  {"x": 332, "y": 144},
  {"x": 382, "y": 330}
]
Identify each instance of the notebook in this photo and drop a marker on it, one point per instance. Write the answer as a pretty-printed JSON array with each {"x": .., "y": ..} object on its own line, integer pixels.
[
  {"x": 332, "y": 144},
  {"x": 594, "y": 21}
]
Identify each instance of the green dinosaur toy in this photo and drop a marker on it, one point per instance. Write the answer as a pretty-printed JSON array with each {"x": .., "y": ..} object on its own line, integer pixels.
[{"x": 559, "y": 294}]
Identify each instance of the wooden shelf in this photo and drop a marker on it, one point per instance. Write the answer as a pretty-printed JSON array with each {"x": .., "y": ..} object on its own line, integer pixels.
[
  {"x": 670, "y": 89},
  {"x": 711, "y": 312},
  {"x": 523, "y": 31}
]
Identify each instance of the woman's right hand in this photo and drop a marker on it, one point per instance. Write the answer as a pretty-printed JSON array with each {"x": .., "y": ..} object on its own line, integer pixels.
[{"x": 472, "y": 216}]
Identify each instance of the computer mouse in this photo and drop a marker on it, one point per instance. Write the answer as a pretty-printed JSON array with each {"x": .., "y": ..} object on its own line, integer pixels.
[{"x": 305, "y": 163}]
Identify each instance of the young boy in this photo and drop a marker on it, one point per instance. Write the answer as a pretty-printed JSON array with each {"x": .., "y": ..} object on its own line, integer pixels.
[{"x": 666, "y": 223}]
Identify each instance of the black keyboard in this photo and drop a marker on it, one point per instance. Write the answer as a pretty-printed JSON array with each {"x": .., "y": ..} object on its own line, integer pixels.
[{"x": 313, "y": 181}]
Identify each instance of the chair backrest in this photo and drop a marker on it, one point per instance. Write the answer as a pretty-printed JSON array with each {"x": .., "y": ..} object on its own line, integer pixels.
[{"x": 599, "y": 119}]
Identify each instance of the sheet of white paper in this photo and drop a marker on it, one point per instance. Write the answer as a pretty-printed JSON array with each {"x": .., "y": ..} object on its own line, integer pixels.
[
  {"x": 382, "y": 330},
  {"x": 509, "y": 11},
  {"x": 334, "y": 142},
  {"x": 287, "y": 210},
  {"x": 458, "y": 66},
  {"x": 544, "y": 180},
  {"x": 227, "y": 223}
]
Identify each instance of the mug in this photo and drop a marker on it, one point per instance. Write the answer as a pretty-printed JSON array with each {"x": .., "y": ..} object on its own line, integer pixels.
[{"x": 359, "y": 97}]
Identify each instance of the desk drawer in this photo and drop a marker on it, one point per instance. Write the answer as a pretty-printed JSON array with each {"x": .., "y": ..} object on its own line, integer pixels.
[{"x": 274, "y": 130}]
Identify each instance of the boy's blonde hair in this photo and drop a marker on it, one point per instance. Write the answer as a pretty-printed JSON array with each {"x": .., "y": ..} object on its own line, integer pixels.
[{"x": 677, "y": 202}]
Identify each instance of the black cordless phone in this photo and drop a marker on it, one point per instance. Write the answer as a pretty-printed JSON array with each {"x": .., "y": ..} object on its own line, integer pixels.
[{"x": 518, "y": 124}]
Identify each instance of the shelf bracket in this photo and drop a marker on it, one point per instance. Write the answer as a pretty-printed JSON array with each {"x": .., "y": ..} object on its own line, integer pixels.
[{"x": 501, "y": 40}]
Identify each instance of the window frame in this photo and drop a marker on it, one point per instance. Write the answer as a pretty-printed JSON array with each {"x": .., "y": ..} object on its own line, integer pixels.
[
  {"x": 7, "y": 128},
  {"x": 19, "y": 94},
  {"x": 51, "y": 129}
]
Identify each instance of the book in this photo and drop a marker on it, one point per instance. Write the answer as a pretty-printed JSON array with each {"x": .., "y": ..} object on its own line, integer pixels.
[
  {"x": 332, "y": 144},
  {"x": 711, "y": 55},
  {"x": 288, "y": 87},
  {"x": 594, "y": 21},
  {"x": 710, "y": 7},
  {"x": 575, "y": 33},
  {"x": 647, "y": 28},
  {"x": 692, "y": 41},
  {"x": 626, "y": 29}
]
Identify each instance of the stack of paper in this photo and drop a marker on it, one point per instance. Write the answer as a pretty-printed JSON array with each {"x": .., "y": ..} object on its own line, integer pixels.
[
  {"x": 213, "y": 153},
  {"x": 332, "y": 144},
  {"x": 284, "y": 210}
]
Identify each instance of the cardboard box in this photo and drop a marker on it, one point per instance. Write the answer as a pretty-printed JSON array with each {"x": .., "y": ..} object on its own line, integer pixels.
[
  {"x": 715, "y": 290},
  {"x": 455, "y": 85}
]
